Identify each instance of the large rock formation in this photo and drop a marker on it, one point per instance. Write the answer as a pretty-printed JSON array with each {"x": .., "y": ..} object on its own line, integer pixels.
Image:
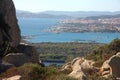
[
  {"x": 11, "y": 51},
  {"x": 29, "y": 51},
  {"x": 9, "y": 29},
  {"x": 106, "y": 70},
  {"x": 27, "y": 54},
  {"x": 77, "y": 68},
  {"x": 111, "y": 66},
  {"x": 115, "y": 64},
  {"x": 17, "y": 59}
]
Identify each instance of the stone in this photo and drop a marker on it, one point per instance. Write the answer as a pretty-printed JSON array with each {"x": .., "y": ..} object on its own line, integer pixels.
[
  {"x": 30, "y": 51},
  {"x": 26, "y": 54},
  {"x": 87, "y": 65},
  {"x": 17, "y": 59},
  {"x": 111, "y": 66},
  {"x": 115, "y": 65},
  {"x": 16, "y": 77},
  {"x": 105, "y": 70},
  {"x": 67, "y": 68},
  {"x": 79, "y": 75},
  {"x": 9, "y": 29},
  {"x": 4, "y": 66},
  {"x": 74, "y": 68},
  {"x": 77, "y": 70}
]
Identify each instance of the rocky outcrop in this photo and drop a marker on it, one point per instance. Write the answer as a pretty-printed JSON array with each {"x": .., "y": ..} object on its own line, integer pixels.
[
  {"x": 67, "y": 68},
  {"x": 4, "y": 66},
  {"x": 111, "y": 66},
  {"x": 87, "y": 65},
  {"x": 27, "y": 54},
  {"x": 106, "y": 70},
  {"x": 9, "y": 29},
  {"x": 17, "y": 59},
  {"x": 11, "y": 51},
  {"x": 30, "y": 51},
  {"x": 78, "y": 68},
  {"x": 115, "y": 64},
  {"x": 17, "y": 77}
]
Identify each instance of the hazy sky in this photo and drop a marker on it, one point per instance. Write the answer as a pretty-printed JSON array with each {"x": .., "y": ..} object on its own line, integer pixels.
[{"x": 67, "y": 5}]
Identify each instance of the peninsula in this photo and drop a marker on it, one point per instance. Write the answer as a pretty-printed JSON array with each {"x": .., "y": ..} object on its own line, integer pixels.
[{"x": 105, "y": 23}]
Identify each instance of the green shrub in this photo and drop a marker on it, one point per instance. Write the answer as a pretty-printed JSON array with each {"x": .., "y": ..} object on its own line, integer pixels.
[
  {"x": 97, "y": 77},
  {"x": 31, "y": 71},
  {"x": 64, "y": 77},
  {"x": 114, "y": 45},
  {"x": 41, "y": 73},
  {"x": 98, "y": 53}
]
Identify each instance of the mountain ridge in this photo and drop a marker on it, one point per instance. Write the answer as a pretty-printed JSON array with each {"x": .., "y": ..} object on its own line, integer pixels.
[{"x": 63, "y": 14}]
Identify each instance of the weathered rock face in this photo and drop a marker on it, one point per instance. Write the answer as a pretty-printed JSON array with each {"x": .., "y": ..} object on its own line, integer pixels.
[
  {"x": 17, "y": 77},
  {"x": 29, "y": 51},
  {"x": 9, "y": 29},
  {"x": 111, "y": 66},
  {"x": 115, "y": 64},
  {"x": 105, "y": 70},
  {"x": 4, "y": 66},
  {"x": 10, "y": 39},
  {"x": 77, "y": 68},
  {"x": 87, "y": 65},
  {"x": 17, "y": 59},
  {"x": 27, "y": 54}
]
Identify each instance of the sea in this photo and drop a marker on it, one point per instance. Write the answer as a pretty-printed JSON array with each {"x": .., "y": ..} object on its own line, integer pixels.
[{"x": 35, "y": 30}]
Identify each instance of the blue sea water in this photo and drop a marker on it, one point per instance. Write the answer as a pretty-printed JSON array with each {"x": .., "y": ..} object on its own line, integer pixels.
[{"x": 35, "y": 27}]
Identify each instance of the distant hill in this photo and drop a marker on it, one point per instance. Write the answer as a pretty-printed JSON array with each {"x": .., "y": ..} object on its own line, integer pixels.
[
  {"x": 63, "y": 14},
  {"x": 103, "y": 17},
  {"x": 81, "y": 13},
  {"x": 39, "y": 15}
]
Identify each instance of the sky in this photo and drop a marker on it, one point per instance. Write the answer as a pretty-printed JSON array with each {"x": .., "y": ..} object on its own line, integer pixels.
[{"x": 67, "y": 5}]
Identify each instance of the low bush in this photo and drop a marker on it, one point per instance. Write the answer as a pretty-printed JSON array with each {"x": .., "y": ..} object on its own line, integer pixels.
[
  {"x": 64, "y": 77},
  {"x": 31, "y": 71},
  {"x": 108, "y": 49}
]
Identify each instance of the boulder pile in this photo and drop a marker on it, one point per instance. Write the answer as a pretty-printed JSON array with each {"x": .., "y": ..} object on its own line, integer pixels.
[{"x": 77, "y": 68}]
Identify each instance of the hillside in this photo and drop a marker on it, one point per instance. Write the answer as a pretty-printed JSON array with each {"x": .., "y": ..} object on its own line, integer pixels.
[{"x": 104, "y": 23}]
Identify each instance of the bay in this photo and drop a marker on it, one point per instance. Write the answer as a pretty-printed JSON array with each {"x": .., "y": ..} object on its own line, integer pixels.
[{"x": 34, "y": 28}]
